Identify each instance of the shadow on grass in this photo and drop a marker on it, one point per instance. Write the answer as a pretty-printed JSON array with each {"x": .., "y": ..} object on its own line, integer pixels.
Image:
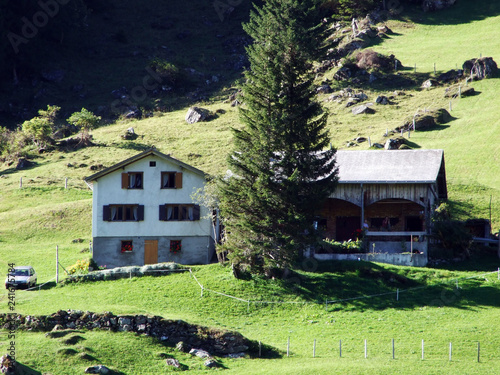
[
  {"x": 460, "y": 13},
  {"x": 25, "y": 370},
  {"x": 351, "y": 285}
]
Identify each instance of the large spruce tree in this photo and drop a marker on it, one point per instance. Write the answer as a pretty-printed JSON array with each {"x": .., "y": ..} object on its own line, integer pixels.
[{"x": 282, "y": 167}]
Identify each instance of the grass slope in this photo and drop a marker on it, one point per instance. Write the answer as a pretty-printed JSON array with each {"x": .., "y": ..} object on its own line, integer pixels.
[
  {"x": 430, "y": 308},
  {"x": 43, "y": 214}
]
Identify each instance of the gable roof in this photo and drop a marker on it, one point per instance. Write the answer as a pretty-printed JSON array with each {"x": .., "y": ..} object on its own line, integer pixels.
[
  {"x": 133, "y": 159},
  {"x": 393, "y": 166}
]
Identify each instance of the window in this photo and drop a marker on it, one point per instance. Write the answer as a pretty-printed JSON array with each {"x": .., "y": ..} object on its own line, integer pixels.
[
  {"x": 175, "y": 246},
  {"x": 179, "y": 212},
  {"x": 132, "y": 180},
  {"x": 171, "y": 180},
  {"x": 126, "y": 246},
  {"x": 123, "y": 212},
  {"x": 152, "y": 163}
]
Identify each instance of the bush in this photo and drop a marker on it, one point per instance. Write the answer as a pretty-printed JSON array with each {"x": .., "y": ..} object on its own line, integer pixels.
[
  {"x": 348, "y": 9},
  {"x": 167, "y": 71},
  {"x": 80, "y": 267}
]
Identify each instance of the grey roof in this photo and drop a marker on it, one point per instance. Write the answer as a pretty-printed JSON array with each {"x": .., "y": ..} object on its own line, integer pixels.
[
  {"x": 394, "y": 166},
  {"x": 149, "y": 152}
]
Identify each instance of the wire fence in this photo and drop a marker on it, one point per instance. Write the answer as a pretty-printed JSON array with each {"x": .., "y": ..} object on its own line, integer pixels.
[
  {"x": 328, "y": 302},
  {"x": 59, "y": 182}
]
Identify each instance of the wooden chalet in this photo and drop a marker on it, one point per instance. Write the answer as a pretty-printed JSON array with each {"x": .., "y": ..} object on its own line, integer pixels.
[{"x": 392, "y": 192}]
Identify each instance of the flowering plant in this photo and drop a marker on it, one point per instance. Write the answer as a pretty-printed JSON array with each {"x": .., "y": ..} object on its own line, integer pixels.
[
  {"x": 127, "y": 247},
  {"x": 175, "y": 246}
]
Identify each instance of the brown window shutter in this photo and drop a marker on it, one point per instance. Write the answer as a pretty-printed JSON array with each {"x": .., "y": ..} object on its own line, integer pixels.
[
  {"x": 106, "y": 213},
  {"x": 140, "y": 212},
  {"x": 124, "y": 180},
  {"x": 163, "y": 212},
  {"x": 178, "y": 180},
  {"x": 196, "y": 212}
]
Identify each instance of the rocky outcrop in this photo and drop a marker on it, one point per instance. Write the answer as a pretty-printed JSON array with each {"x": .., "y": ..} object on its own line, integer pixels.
[
  {"x": 7, "y": 365},
  {"x": 210, "y": 340},
  {"x": 196, "y": 114},
  {"x": 484, "y": 67}
]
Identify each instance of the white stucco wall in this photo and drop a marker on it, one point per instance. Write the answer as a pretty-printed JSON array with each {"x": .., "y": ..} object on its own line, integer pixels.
[{"x": 107, "y": 190}]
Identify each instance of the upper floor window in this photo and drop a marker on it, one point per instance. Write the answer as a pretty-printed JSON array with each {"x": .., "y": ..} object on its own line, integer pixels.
[
  {"x": 132, "y": 180},
  {"x": 179, "y": 212},
  {"x": 123, "y": 212},
  {"x": 171, "y": 180}
]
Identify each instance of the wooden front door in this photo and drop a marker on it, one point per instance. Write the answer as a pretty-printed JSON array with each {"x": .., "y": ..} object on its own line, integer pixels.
[{"x": 150, "y": 251}]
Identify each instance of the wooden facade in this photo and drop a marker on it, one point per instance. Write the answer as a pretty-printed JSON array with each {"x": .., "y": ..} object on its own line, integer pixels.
[{"x": 403, "y": 187}]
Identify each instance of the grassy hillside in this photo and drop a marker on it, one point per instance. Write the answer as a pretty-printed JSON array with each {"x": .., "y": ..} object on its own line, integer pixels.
[
  {"x": 43, "y": 214},
  {"x": 429, "y": 308}
]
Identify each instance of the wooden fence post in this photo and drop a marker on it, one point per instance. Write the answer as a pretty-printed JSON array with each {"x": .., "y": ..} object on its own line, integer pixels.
[
  {"x": 57, "y": 264},
  {"x": 393, "y": 351}
]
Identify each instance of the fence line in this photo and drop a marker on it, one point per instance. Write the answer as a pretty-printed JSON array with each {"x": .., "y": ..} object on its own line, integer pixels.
[
  {"x": 327, "y": 302},
  {"x": 473, "y": 350}
]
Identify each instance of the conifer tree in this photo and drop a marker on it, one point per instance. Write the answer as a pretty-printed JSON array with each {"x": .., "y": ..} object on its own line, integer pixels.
[{"x": 282, "y": 168}]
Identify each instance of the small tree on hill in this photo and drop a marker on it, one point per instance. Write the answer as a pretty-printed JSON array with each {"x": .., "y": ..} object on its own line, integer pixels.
[
  {"x": 86, "y": 121},
  {"x": 281, "y": 167},
  {"x": 39, "y": 129}
]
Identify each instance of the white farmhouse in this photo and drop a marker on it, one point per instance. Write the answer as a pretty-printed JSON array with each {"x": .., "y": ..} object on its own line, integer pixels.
[{"x": 143, "y": 213}]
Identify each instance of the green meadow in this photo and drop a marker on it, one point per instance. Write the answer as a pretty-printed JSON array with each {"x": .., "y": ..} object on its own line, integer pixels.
[{"x": 331, "y": 303}]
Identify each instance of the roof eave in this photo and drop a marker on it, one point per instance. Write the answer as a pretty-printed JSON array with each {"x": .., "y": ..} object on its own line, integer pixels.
[{"x": 140, "y": 156}]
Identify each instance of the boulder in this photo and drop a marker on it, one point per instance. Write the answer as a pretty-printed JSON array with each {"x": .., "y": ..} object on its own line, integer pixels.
[
  {"x": 343, "y": 73},
  {"x": 484, "y": 67},
  {"x": 23, "y": 163},
  {"x": 98, "y": 369},
  {"x": 172, "y": 362},
  {"x": 195, "y": 114},
  {"x": 450, "y": 76},
  {"x": 371, "y": 60},
  {"x": 459, "y": 91},
  {"x": 393, "y": 144},
  {"x": 361, "y": 96},
  {"x": 7, "y": 365},
  {"x": 324, "y": 89},
  {"x": 129, "y": 134},
  {"x": 200, "y": 353},
  {"x": 381, "y": 99},
  {"x": 430, "y": 83},
  {"x": 351, "y": 102},
  {"x": 211, "y": 363},
  {"x": 363, "y": 109},
  {"x": 383, "y": 29}
]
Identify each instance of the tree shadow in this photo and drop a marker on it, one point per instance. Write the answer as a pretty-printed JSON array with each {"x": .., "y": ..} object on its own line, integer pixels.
[
  {"x": 360, "y": 285},
  {"x": 460, "y": 13},
  {"x": 25, "y": 370}
]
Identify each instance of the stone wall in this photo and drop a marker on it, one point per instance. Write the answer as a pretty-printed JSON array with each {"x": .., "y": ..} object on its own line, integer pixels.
[{"x": 214, "y": 341}]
